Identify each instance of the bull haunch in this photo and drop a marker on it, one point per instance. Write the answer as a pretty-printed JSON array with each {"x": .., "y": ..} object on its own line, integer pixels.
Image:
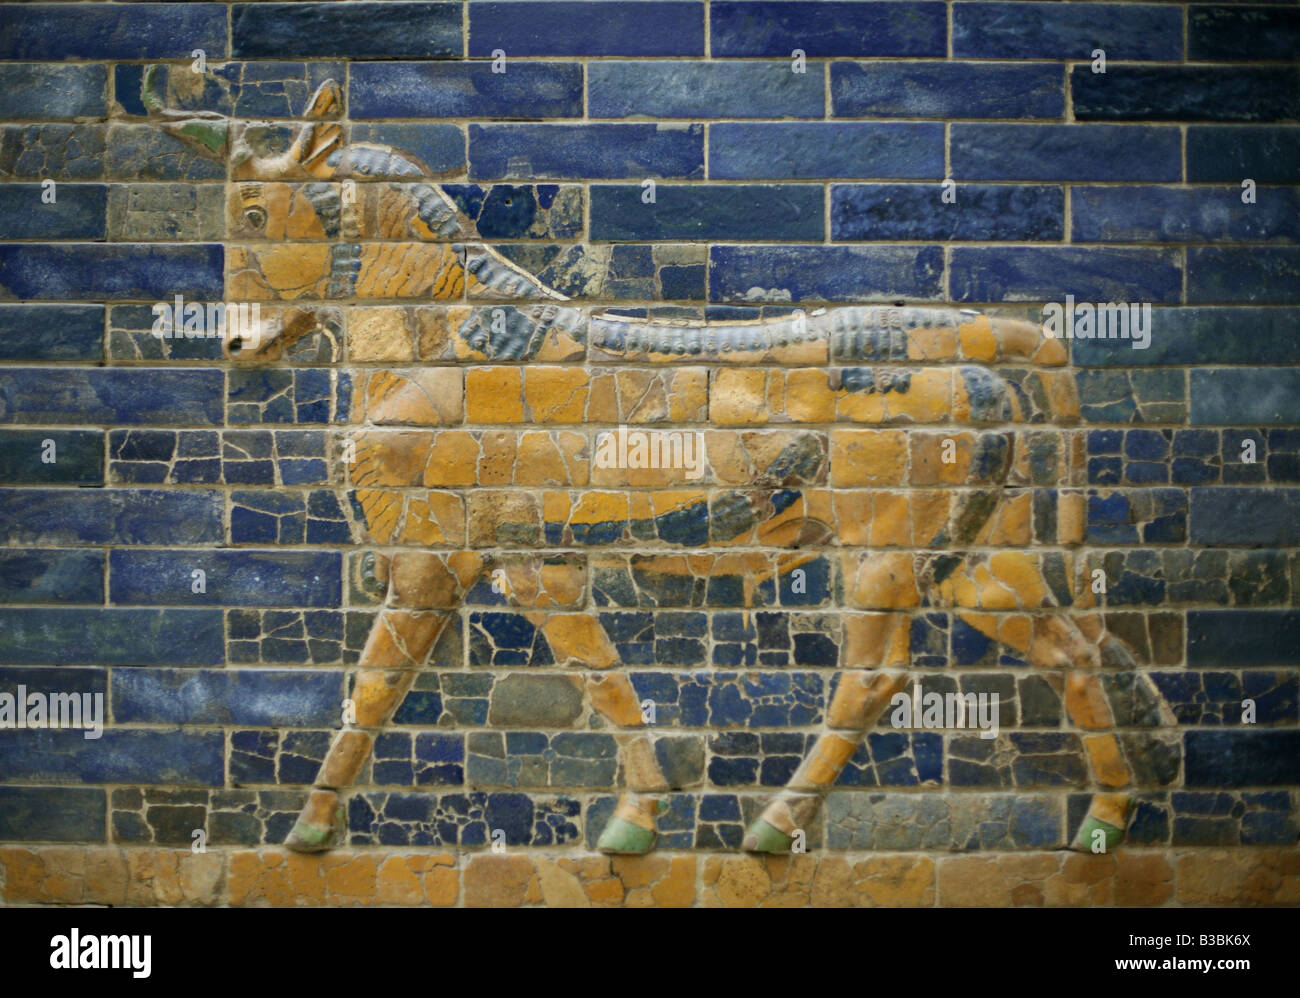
[{"x": 948, "y": 501}]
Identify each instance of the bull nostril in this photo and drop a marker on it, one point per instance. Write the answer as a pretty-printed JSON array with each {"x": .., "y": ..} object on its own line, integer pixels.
[{"x": 236, "y": 345}]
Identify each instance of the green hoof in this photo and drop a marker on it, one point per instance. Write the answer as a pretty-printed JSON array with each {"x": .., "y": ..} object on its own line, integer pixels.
[
  {"x": 311, "y": 838},
  {"x": 624, "y": 838},
  {"x": 763, "y": 837},
  {"x": 1087, "y": 840}
]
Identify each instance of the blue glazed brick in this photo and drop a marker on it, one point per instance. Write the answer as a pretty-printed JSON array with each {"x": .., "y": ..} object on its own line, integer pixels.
[
  {"x": 1065, "y": 152},
  {"x": 79, "y": 211},
  {"x": 598, "y": 151},
  {"x": 52, "y": 814},
  {"x": 52, "y": 151},
  {"x": 181, "y": 758},
  {"x": 1241, "y": 758},
  {"x": 827, "y": 29},
  {"x": 51, "y": 457},
  {"x": 233, "y": 578},
  {"x": 1255, "y": 274},
  {"x": 51, "y": 576},
  {"x": 1245, "y": 396},
  {"x": 438, "y": 147},
  {"x": 111, "y": 31},
  {"x": 111, "y": 516},
  {"x": 41, "y": 92},
  {"x": 1243, "y": 638},
  {"x": 51, "y": 332},
  {"x": 946, "y": 90},
  {"x": 708, "y": 211},
  {"x": 354, "y": 30},
  {"x": 110, "y": 395},
  {"x": 89, "y": 270},
  {"x": 559, "y": 27},
  {"x": 465, "y": 90},
  {"x": 1231, "y": 153},
  {"x": 1147, "y": 32},
  {"x": 1183, "y": 215},
  {"x": 823, "y": 273},
  {"x": 298, "y": 698},
  {"x": 907, "y": 151},
  {"x": 1245, "y": 516},
  {"x": 143, "y": 152},
  {"x": 59, "y": 636},
  {"x": 1252, "y": 34},
  {"x": 674, "y": 89},
  {"x": 917, "y": 211},
  {"x": 242, "y": 89},
  {"x": 1185, "y": 93},
  {"x": 1241, "y": 335},
  {"x": 1047, "y": 273}
]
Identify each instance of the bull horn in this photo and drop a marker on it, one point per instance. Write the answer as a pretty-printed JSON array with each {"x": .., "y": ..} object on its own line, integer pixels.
[{"x": 204, "y": 131}]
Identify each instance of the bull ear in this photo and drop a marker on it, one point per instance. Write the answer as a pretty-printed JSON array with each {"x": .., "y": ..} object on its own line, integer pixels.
[{"x": 325, "y": 102}]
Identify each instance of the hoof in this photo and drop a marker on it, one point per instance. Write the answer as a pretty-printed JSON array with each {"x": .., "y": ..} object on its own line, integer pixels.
[
  {"x": 763, "y": 837},
  {"x": 624, "y": 838},
  {"x": 1110, "y": 835},
  {"x": 320, "y": 826},
  {"x": 1107, "y": 816}
]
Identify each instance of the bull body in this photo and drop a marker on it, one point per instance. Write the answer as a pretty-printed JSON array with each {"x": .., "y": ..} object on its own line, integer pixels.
[{"x": 906, "y": 445}]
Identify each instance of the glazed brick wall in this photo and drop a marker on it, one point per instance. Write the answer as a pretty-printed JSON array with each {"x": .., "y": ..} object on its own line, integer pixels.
[{"x": 774, "y": 189}]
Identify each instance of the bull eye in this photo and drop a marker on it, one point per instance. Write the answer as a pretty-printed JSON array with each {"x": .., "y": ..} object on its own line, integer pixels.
[{"x": 256, "y": 217}]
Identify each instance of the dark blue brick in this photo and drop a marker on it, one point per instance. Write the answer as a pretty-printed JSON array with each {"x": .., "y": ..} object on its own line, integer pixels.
[
  {"x": 1185, "y": 93},
  {"x": 597, "y": 151},
  {"x": 559, "y": 27},
  {"x": 1067, "y": 31},
  {"x": 1047, "y": 273},
  {"x": 1232, "y": 153},
  {"x": 42, "y": 92},
  {"x": 59, "y": 636},
  {"x": 438, "y": 147},
  {"x": 356, "y": 30},
  {"x": 1183, "y": 215},
  {"x": 111, "y": 31},
  {"x": 1241, "y": 335},
  {"x": 1243, "y": 638},
  {"x": 793, "y": 151},
  {"x": 179, "y": 758},
  {"x": 662, "y": 89},
  {"x": 53, "y": 814},
  {"x": 1065, "y": 152},
  {"x": 90, "y": 270},
  {"x": 1268, "y": 274},
  {"x": 79, "y": 211},
  {"x": 946, "y": 90},
  {"x": 708, "y": 211},
  {"x": 1241, "y": 758},
  {"x": 110, "y": 395},
  {"x": 298, "y": 698},
  {"x": 233, "y": 578},
  {"x": 111, "y": 516},
  {"x": 827, "y": 29},
  {"x": 1251, "y": 34},
  {"x": 823, "y": 273},
  {"x": 1245, "y": 396},
  {"x": 1225, "y": 516},
  {"x": 465, "y": 90},
  {"x": 78, "y": 457},
  {"x": 51, "y": 576},
  {"x": 51, "y": 332},
  {"x": 917, "y": 211}
]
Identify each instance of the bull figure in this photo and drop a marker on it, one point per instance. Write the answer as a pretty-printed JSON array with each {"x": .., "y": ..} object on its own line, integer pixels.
[{"x": 979, "y": 512}]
